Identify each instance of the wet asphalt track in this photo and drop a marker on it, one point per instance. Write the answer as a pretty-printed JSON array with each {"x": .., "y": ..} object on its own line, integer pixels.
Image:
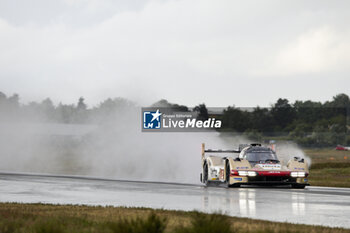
[{"x": 314, "y": 205}]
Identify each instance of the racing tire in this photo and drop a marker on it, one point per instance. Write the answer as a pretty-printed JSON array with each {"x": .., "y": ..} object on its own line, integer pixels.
[
  {"x": 205, "y": 175},
  {"x": 227, "y": 175},
  {"x": 298, "y": 186}
]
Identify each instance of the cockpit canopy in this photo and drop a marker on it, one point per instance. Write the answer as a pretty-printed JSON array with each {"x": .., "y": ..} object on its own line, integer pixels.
[{"x": 260, "y": 155}]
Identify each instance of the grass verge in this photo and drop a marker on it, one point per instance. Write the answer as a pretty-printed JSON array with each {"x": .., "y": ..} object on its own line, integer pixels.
[
  {"x": 72, "y": 218},
  {"x": 329, "y": 167}
]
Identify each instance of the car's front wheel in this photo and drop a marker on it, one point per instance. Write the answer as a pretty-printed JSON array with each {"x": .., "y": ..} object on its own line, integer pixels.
[{"x": 298, "y": 186}]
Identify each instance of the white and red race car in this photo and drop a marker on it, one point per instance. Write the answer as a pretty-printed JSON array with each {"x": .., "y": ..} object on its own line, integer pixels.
[{"x": 254, "y": 165}]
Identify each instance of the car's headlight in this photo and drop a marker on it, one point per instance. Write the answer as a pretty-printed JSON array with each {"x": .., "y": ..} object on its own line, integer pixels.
[
  {"x": 242, "y": 173},
  {"x": 251, "y": 173},
  {"x": 246, "y": 173},
  {"x": 297, "y": 174}
]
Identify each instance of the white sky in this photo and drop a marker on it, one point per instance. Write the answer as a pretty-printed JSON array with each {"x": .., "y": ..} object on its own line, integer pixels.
[{"x": 221, "y": 53}]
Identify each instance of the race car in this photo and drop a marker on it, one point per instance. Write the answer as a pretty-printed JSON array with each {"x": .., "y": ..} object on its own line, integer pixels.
[
  {"x": 340, "y": 147},
  {"x": 254, "y": 165}
]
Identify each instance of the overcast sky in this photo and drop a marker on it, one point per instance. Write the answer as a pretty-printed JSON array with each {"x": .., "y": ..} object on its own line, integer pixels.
[{"x": 222, "y": 53}]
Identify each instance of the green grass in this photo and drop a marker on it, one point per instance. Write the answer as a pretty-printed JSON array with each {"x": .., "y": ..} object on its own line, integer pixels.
[
  {"x": 329, "y": 176},
  {"x": 152, "y": 223},
  {"x": 40, "y": 218},
  {"x": 214, "y": 223},
  {"x": 328, "y": 155},
  {"x": 329, "y": 167}
]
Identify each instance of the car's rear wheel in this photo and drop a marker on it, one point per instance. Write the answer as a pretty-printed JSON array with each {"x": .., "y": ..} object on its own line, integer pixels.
[{"x": 205, "y": 174}]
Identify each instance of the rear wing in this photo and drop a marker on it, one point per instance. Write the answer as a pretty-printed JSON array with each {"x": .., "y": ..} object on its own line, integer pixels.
[
  {"x": 216, "y": 151},
  {"x": 241, "y": 147}
]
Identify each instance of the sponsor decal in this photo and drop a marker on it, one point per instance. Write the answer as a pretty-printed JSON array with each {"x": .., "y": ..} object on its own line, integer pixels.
[
  {"x": 239, "y": 179},
  {"x": 270, "y": 166},
  {"x": 241, "y": 167}
]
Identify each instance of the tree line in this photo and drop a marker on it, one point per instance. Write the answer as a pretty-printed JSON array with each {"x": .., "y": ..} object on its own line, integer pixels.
[
  {"x": 307, "y": 122},
  {"x": 11, "y": 110}
]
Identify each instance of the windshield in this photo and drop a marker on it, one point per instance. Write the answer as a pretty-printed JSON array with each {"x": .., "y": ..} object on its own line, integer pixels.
[{"x": 262, "y": 156}]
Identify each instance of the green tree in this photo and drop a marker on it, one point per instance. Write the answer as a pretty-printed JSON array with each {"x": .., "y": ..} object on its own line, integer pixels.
[
  {"x": 81, "y": 105},
  {"x": 236, "y": 119},
  {"x": 175, "y": 107},
  {"x": 261, "y": 120},
  {"x": 14, "y": 101},
  {"x": 282, "y": 113},
  {"x": 48, "y": 109},
  {"x": 202, "y": 111}
]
